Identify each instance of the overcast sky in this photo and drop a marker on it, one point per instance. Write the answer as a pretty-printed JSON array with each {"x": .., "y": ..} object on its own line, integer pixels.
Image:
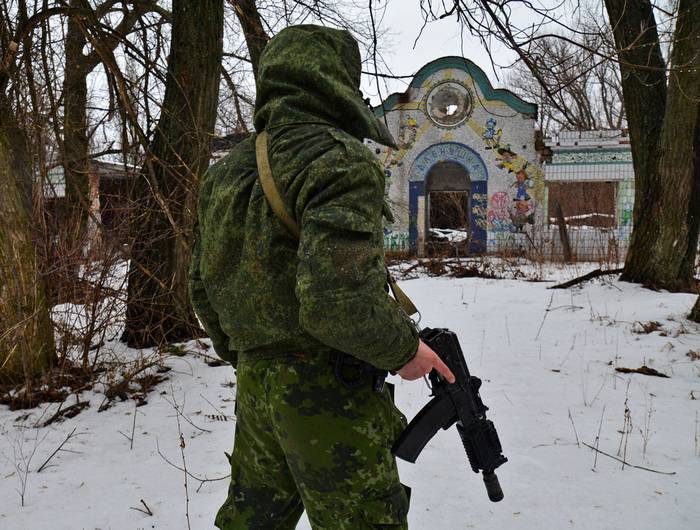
[{"x": 403, "y": 20}]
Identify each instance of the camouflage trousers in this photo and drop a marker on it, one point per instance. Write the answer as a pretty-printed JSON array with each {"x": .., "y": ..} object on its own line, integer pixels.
[{"x": 305, "y": 441}]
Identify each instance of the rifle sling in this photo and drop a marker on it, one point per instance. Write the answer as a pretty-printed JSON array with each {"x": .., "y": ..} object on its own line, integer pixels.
[{"x": 278, "y": 207}]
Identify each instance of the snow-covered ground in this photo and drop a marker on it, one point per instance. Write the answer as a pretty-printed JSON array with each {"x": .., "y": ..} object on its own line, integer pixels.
[{"x": 547, "y": 358}]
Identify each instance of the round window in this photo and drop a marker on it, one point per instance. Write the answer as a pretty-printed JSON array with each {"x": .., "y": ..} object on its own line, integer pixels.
[{"x": 449, "y": 103}]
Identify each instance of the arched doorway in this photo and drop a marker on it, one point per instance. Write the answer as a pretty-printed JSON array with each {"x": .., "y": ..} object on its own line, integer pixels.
[
  {"x": 472, "y": 177},
  {"x": 448, "y": 205}
]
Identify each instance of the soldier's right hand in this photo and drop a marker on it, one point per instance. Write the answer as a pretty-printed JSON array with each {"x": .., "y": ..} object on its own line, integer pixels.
[{"x": 423, "y": 362}]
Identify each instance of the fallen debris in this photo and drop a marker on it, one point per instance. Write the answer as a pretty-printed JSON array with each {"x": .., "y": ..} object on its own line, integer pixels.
[
  {"x": 68, "y": 412},
  {"x": 598, "y": 451},
  {"x": 646, "y": 327},
  {"x": 590, "y": 276},
  {"x": 644, "y": 370}
]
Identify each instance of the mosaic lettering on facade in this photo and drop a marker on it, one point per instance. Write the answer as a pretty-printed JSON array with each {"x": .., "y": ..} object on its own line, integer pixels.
[{"x": 448, "y": 152}]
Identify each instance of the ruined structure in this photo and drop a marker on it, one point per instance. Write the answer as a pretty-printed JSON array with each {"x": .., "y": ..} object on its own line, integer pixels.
[
  {"x": 465, "y": 178},
  {"x": 591, "y": 176}
]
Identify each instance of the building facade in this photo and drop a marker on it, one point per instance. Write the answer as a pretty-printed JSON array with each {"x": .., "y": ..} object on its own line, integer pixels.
[
  {"x": 466, "y": 170},
  {"x": 591, "y": 177}
]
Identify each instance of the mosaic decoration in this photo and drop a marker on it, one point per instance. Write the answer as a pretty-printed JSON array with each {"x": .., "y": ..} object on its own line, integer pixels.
[
  {"x": 396, "y": 241},
  {"x": 408, "y": 130},
  {"x": 491, "y": 135},
  {"x": 515, "y": 209},
  {"x": 598, "y": 156}
]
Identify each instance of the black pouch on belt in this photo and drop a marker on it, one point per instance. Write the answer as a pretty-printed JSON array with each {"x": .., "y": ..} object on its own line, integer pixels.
[{"x": 354, "y": 373}]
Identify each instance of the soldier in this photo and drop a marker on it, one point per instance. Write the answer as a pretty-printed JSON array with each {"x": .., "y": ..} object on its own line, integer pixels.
[{"x": 303, "y": 320}]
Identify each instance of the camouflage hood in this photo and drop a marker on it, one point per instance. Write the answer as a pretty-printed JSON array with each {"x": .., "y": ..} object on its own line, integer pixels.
[{"x": 311, "y": 74}]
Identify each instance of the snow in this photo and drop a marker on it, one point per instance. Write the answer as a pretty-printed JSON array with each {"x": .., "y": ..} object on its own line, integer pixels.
[
  {"x": 547, "y": 358},
  {"x": 449, "y": 234}
]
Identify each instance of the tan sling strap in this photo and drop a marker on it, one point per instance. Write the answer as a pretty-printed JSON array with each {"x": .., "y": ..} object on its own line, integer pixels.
[
  {"x": 269, "y": 187},
  {"x": 401, "y": 297},
  {"x": 277, "y": 204}
]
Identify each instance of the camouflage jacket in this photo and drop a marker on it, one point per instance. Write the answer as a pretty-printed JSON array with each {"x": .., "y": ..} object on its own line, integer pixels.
[{"x": 254, "y": 286}]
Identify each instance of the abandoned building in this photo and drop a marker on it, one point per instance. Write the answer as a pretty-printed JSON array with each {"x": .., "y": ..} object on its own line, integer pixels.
[
  {"x": 109, "y": 197},
  {"x": 591, "y": 179},
  {"x": 465, "y": 178}
]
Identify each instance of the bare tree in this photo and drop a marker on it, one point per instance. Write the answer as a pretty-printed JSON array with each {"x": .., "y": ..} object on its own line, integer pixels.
[
  {"x": 251, "y": 23},
  {"x": 585, "y": 91},
  {"x": 26, "y": 334},
  {"x": 78, "y": 65},
  {"x": 158, "y": 309},
  {"x": 661, "y": 101}
]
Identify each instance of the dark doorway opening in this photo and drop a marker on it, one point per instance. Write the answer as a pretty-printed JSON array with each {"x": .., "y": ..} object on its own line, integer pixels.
[{"x": 448, "y": 210}]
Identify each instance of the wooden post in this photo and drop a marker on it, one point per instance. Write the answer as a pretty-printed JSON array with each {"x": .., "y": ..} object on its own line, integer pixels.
[{"x": 563, "y": 233}]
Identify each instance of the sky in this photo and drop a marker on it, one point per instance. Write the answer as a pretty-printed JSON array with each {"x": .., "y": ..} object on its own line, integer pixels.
[{"x": 403, "y": 20}]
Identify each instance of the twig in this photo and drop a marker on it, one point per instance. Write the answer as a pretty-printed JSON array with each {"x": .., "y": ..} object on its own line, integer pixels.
[
  {"x": 597, "y": 438},
  {"x": 646, "y": 432},
  {"x": 217, "y": 409},
  {"x": 180, "y": 413},
  {"x": 626, "y": 427},
  {"x": 574, "y": 426},
  {"x": 182, "y": 452},
  {"x": 147, "y": 511},
  {"x": 546, "y": 312},
  {"x": 605, "y": 378},
  {"x": 42, "y": 466},
  {"x": 507, "y": 330},
  {"x": 191, "y": 475},
  {"x": 624, "y": 463},
  {"x": 23, "y": 474},
  {"x": 133, "y": 429},
  {"x": 590, "y": 276}
]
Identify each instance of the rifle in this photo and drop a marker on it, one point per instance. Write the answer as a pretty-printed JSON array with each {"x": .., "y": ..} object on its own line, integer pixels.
[{"x": 458, "y": 403}]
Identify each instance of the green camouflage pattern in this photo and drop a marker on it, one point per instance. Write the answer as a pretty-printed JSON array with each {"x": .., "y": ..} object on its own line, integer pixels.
[
  {"x": 255, "y": 287},
  {"x": 304, "y": 441},
  {"x": 280, "y": 309}
]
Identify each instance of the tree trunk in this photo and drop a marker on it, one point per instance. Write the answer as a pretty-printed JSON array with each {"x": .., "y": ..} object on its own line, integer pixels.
[
  {"x": 251, "y": 23},
  {"x": 695, "y": 312},
  {"x": 644, "y": 88},
  {"x": 75, "y": 136},
  {"x": 664, "y": 127},
  {"x": 26, "y": 333},
  {"x": 672, "y": 261},
  {"x": 158, "y": 308}
]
